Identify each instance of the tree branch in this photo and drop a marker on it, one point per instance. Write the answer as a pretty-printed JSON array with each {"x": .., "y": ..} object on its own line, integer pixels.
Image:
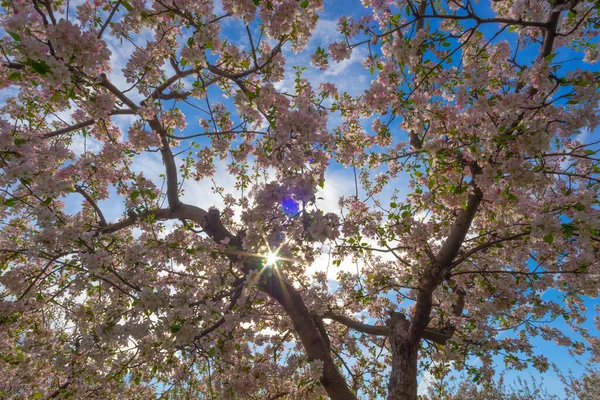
[
  {"x": 80, "y": 190},
  {"x": 434, "y": 335},
  {"x": 479, "y": 20},
  {"x": 486, "y": 245},
  {"x": 82, "y": 124},
  {"x": 378, "y": 330},
  {"x": 236, "y": 295},
  {"x": 436, "y": 272},
  {"x": 112, "y": 13},
  {"x": 105, "y": 83}
]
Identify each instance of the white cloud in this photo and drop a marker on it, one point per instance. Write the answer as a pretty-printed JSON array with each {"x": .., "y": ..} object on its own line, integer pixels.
[
  {"x": 121, "y": 50},
  {"x": 335, "y": 69},
  {"x": 123, "y": 122},
  {"x": 80, "y": 145},
  {"x": 337, "y": 183},
  {"x": 202, "y": 194},
  {"x": 425, "y": 383},
  {"x": 324, "y": 34},
  {"x": 588, "y": 136},
  {"x": 338, "y": 73},
  {"x": 151, "y": 165},
  {"x": 218, "y": 8},
  {"x": 8, "y": 92}
]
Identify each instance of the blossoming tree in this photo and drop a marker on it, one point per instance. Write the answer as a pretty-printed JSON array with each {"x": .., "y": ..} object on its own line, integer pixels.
[{"x": 486, "y": 109}]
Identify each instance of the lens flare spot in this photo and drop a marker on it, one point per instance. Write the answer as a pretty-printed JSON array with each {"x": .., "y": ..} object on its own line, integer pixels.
[
  {"x": 290, "y": 206},
  {"x": 271, "y": 259}
]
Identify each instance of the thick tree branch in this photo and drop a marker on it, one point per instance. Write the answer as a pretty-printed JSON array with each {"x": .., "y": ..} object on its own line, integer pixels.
[
  {"x": 157, "y": 215},
  {"x": 435, "y": 273},
  {"x": 434, "y": 335},
  {"x": 379, "y": 330},
  {"x": 550, "y": 34},
  {"x": 82, "y": 124},
  {"x": 80, "y": 190},
  {"x": 479, "y": 20},
  {"x": 13, "y": 65},
  {"x": 105, "y": 83},
  {"x": 459, "y": 230},
  {"x": 315, "y": 344},
  {"x": 170, "y": 167}
]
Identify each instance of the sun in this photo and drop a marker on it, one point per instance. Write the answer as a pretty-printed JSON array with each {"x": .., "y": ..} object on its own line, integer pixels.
[{"x": 271, "y": 259}]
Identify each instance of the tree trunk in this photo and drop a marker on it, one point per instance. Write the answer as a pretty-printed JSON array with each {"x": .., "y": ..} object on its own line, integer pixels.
[
  {"x": 403, "y": 377},
  {"x": 315, "y": 343}
]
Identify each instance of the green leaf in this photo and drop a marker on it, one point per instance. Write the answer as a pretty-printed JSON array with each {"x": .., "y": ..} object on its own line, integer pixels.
[
  {"x": 15, "y": 76},
  {"x": 175, "y": 328},
  {"x": 39, "y": 66},
  {"x": 304, "y": 4},
  {"x": 55, "y": 97},
  {"x": 549, "y": 238},
  {"x": 14, "y": 36},
  {"x": 127, "y": 6},
  {"x": 10, "y": 202},
  {"x": 568, "y": 229}
]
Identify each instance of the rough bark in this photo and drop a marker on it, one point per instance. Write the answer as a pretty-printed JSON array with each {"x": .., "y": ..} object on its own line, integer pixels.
[
  {"x": 316, "y": 346},
  {"x": 403, "y": 376}
]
